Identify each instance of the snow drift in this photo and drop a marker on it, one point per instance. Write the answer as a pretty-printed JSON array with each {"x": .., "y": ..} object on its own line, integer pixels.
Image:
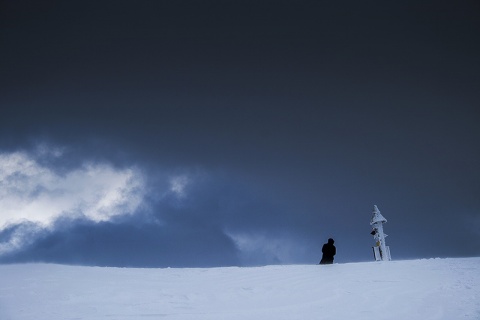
[{"x": 416, "y": 289}]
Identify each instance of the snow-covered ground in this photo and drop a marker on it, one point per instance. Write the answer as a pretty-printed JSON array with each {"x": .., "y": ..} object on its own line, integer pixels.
[{"x": 416, "y": 289}]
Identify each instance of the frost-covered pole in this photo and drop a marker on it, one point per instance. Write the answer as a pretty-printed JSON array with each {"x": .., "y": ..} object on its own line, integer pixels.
[{"x": 381, "y": 251}]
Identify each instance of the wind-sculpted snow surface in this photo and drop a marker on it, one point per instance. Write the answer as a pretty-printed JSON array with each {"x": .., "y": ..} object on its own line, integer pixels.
[{"x": 417, "y": 289}]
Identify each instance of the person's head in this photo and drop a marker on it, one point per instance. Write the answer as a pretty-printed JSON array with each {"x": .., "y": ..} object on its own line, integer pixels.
[{"x": 331, "y": 241}]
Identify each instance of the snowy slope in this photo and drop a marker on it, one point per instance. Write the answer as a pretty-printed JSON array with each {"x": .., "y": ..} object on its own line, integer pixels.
[{"x": 416, "y": 289}]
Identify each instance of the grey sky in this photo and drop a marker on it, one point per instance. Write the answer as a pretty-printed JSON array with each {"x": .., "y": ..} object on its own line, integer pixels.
[{"x": 252, "y": 131}]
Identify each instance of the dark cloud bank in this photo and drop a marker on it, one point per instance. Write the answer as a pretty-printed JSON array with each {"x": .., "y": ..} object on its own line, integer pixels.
[{"x": 300, "y": 117}]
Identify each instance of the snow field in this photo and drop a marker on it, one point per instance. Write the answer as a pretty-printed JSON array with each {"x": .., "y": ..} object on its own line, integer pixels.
[{"x": 416, "y": 289}]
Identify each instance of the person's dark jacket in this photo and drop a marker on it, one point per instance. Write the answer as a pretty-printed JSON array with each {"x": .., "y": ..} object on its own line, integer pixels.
[{"x": 328, "y": 251}]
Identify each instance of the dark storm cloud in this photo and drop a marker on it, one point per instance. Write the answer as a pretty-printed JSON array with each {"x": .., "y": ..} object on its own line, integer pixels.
[
  {"x": 314, "y": 111},
  {"x": 130, "y": 245},
  {"x": 198, "y": 228}
]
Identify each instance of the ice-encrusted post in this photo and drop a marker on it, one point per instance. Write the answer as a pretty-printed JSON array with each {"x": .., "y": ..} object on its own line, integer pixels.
[{"x": 381, "y": 251}]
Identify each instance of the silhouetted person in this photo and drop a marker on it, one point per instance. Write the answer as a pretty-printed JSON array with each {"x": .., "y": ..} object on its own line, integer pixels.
[{"x": 328, "y": 251}]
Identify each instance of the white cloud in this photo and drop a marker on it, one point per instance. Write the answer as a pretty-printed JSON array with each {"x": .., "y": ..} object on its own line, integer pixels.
[
  {"x": 178, "y": 185},
  {"x": 47, "y": 150},
  {"x": 30, "y": 191},
  {"x": 266, "y": 248},
  {"x": 20, "y": 236}
]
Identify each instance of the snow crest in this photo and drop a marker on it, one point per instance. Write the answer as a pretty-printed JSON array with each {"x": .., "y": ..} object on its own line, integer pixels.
[{"x": 417, "y": 289}]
